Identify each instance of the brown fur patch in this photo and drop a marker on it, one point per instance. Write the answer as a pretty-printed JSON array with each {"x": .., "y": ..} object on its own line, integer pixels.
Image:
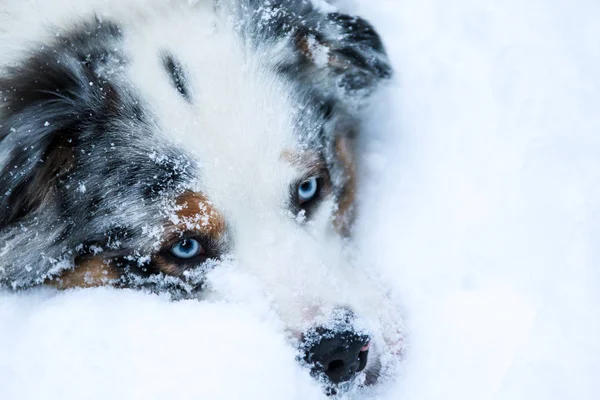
[
  {"x": 303, "y": 45},
  {"x": 91, "y": 272},
  {"x": 167, "y": 267},
  {"x": 309, "y": 46},
  {"x": 345, "y": 214},
  {"x": 196, "y": 213}
]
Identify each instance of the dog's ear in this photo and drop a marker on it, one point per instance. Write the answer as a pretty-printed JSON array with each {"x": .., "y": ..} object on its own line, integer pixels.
[
  {"x": 38, "y": 121},
  {"x": 345, "y": 55},
  {"x": 42, "y": 101},
  {"x": 343, "y": 58},
  {"x": 30, "y": 173}
]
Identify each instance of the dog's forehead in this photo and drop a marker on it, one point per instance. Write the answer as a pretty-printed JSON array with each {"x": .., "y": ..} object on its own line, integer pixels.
[{"x": 236, "y": 117}]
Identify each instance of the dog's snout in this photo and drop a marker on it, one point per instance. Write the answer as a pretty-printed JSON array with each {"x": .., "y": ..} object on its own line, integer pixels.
[{"x": 337, "y": 355}]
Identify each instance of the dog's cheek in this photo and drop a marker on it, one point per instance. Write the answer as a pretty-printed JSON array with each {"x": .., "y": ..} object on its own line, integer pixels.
[
  {"x": 160, "y": 264},
  {"x": 91, "y": 272},
  {"x": 345, "y": 213}
]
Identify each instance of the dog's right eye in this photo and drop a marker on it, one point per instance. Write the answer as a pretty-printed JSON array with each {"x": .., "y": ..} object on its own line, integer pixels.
[{"x": 187, "y": 249}]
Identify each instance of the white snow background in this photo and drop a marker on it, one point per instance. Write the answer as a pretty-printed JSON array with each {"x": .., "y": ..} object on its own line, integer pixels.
[{"x": 480, "y": 206}]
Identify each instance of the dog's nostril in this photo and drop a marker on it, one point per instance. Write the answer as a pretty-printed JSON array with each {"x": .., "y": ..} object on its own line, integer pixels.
[{"x": 335, "y": 366}]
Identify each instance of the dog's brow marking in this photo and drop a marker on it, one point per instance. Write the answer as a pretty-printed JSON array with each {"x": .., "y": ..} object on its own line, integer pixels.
[
  {"x": 91, "y": 272},
  {"x": 309, "y": 160},
  {"x": 196, "y": 213},
  {"x": 177, "y": 75}
]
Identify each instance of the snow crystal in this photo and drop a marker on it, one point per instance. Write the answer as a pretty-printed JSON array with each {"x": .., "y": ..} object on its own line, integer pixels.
[
  {"x": 96, "y": 249},
  {"x": 143, "y": 260},
  {"x": 301, "y": 216},
  {"x": 319, "y": 52},
  {"x": 323, "y": 6}
]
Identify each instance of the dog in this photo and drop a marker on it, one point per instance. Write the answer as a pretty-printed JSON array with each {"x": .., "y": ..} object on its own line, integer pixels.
[{"x": 145, "y": 143}]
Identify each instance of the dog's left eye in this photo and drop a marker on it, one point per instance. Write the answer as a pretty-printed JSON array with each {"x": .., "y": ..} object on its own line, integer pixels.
[
  {"x": 308, "y": 189},
  {"x": 187, "y": 249}
]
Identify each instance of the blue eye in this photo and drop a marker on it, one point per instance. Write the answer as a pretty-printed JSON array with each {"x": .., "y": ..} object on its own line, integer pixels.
[
  {"x": 308, "y": 189},
  {"x": 186, "y": 249}
]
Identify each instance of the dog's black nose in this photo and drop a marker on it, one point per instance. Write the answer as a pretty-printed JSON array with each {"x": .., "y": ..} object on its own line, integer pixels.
[{"x": 338, "y": 355}]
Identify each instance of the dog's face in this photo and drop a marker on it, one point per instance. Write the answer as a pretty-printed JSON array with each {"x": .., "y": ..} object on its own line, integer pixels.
[{"x": 146, "y": 154}]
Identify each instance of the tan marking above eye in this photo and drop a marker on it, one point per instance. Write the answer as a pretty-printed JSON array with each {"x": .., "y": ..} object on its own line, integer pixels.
[
  {"x": 194, "y": 212},
  {"x": 194, "y": 215},
  {"x": 89, "y": 272}
]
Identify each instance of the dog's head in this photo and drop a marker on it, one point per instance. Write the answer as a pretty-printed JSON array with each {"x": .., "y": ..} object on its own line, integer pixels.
[{"x": 144, "y": 152}]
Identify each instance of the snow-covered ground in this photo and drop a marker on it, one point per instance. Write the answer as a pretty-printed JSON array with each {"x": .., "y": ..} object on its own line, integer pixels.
[{"x": 481, "y": 208}]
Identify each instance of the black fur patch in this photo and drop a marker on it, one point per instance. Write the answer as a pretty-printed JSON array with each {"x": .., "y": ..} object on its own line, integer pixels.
[
  {"x": 46, "y": 99},
  {"x": 177, "y": 75}
]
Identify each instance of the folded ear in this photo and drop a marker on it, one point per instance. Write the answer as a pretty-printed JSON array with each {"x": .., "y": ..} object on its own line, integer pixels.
[
  {"x": 29, "y": 174},
  {"x": 38, "y": 123},
  {"x": 43, "y": 100},
  {"x": 345, "y": 55}
]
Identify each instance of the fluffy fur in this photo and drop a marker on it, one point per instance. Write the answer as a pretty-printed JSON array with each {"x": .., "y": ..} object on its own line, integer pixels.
[{"x": 127, "y": 127}]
